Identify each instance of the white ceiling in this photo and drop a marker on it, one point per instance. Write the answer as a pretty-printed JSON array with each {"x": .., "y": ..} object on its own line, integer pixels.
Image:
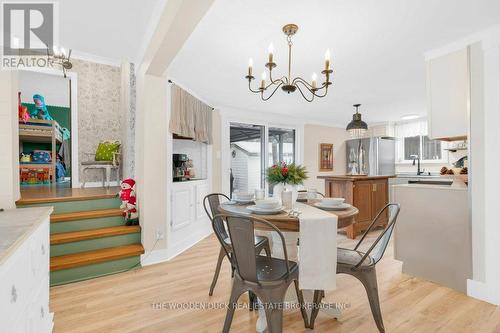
[
  {"x": 377, "y": 51},
  {"x": 109, "y": 29}
]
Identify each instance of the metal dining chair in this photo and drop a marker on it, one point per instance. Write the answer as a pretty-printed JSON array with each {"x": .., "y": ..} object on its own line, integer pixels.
[
  {"x": 266, "y": 277},
  {"x": 361, "y": 265},
  {"x": 260, "y": 242}
]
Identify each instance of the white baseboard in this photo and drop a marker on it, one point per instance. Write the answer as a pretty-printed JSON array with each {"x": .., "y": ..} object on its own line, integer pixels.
[
  {"x": 154, "y": 257},
  {"x": 99, "y": 184},
  {"x": 483, "y": 291},
  {"x": 163, "y": 255}
]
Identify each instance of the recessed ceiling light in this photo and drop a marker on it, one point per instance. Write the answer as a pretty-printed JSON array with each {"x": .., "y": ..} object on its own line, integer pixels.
[{"x": 410, "y": 116}]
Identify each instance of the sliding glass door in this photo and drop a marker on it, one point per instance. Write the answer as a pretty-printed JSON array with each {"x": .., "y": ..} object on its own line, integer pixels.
[
  {"x": 252, "y": 149},
  {"x": 246, "y": 148}
]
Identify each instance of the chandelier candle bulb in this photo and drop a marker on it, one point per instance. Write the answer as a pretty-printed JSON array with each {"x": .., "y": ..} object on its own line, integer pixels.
[
  {"x": 313, "y": 80},
  {"x": 327, "y": 59},
  {"x": 270, "y": 50},
  {"x": 263, "y": 81},
  {"x": 250, "y": 66}
]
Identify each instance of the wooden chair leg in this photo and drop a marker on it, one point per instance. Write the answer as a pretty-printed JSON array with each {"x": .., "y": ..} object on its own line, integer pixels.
[{"x": 222, "y": 253}]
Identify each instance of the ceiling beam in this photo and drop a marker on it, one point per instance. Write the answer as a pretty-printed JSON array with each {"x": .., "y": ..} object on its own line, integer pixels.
[{"x": 179, "y": 19}]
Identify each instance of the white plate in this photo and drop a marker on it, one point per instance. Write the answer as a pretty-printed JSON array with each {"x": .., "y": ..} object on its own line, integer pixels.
[
  {"x": 242, "y": 200},
  {"x": 339, "y": 207},
  {"x": 257, "y": 210}
]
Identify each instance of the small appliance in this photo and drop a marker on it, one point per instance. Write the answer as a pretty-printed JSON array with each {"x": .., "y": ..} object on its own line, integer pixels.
[{"x": 179, "y": 167}]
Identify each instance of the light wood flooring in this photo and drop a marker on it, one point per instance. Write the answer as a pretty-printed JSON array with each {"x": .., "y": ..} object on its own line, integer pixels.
[{"x": 123, "y": 302}]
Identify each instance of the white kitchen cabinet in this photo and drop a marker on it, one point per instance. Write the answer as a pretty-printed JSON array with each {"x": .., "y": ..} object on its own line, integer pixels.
[
  {"x": 201, "y": 191},
  {"x": 24, "y": 271},
  {"x": 448, "y": 95},
  {"x": 182, "y": 206},
  {"x": 189, "y": 222}
]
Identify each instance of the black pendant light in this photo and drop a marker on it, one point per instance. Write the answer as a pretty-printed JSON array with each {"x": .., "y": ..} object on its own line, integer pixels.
[{"x": 357, "y": 127}]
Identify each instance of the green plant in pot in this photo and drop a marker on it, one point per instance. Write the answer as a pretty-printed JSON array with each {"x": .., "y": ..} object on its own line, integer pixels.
[{"x": 286, "y": 177}]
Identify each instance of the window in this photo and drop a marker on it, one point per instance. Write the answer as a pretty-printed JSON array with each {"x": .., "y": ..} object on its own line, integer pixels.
[
  {"x": 281, "y": 145},
  {"x": 422, "y": 146},
  {"x": 413, "y": 141}
]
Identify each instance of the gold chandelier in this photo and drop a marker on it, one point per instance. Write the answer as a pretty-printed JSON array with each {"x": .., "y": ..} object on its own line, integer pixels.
[{"x": 287, "y": 83}]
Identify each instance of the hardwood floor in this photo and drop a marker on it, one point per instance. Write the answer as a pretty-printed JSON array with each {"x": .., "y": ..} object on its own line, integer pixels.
[
  {"x": 123, "y": 302},
  {"x": 45, "y": 194}
]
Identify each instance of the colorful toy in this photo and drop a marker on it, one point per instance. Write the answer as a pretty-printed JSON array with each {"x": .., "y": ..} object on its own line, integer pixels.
[
  {"x": 41, "y": 111},
  {"x": 41, "y": 156},
  {"x": 23, "y": 110},
  {"x": 131, "y": 214},
  {"x": 25, "y": 158},
  {"x": 127, "y": 191},
  {"x": 24, "y": 176}
]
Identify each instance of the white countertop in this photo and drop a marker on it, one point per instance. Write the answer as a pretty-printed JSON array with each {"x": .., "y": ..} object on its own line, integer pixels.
[
  {"x": 431, "y": 187},
  {"x": 16, "y": 225}
]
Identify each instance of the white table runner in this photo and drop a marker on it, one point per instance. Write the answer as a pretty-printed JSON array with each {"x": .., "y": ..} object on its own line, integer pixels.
[{"x": 318, "y": 248}]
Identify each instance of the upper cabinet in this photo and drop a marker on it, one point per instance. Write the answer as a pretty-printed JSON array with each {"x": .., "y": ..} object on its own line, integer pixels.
[{"x": 448, "y": 95}]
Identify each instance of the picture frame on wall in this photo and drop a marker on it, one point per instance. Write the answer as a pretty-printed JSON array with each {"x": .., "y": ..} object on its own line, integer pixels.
[{"x": 325, "y": 157}]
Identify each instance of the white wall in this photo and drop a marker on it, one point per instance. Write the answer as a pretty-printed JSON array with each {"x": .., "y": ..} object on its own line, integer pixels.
[
  {"x": 9, "y": 143},
  {"x": 313, "y": 136},
  {"x": 55, "y": 89}
]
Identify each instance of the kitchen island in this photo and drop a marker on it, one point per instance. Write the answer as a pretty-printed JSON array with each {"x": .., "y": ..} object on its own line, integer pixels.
[
  {"x": 368, "y": 193},
  {"x": 433, "y": 234}
]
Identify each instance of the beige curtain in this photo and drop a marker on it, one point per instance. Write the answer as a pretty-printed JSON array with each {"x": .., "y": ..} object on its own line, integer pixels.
[{"x": 190, "y": 117}]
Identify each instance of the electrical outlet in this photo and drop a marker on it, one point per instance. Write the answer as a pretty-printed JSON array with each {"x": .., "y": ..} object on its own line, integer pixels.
[{"x": 159, "y": 234}]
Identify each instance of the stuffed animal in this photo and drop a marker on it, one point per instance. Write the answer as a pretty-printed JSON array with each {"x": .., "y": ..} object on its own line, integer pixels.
[
  {"x": 127, "y": 191},
  {"x": 41, "y": 111},
  {"x": 23, "y": 110},
  {"x": 131, "y": 214},
  {"x": 25, "y": 158}
]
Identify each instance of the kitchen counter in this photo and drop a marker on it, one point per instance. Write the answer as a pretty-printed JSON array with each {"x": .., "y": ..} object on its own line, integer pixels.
[
  {"x": 432, "y": 236},
  {"x": 16, "y": 225},
  {"x": 354, "y": 177}
]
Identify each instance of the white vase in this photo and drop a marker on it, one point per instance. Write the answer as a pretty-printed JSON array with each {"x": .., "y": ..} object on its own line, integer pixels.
[{"x": 280, "y": 187}]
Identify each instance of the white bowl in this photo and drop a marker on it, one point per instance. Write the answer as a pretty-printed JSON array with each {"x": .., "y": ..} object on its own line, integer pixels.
[
  {"x": 268, "y": 203},
  {"x": 332, "y": 202},
  {"x": 243, "y": 196}
]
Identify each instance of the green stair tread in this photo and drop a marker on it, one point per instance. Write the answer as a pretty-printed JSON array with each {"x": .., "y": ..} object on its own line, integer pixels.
[
  {"x": 92, "y": 257},
  {"x": 85, "y": 215},
  {"x": 76, "y": 236}
]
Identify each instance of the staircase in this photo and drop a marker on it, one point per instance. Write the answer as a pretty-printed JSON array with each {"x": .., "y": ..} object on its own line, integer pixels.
[{"x": 88, "y": 237}]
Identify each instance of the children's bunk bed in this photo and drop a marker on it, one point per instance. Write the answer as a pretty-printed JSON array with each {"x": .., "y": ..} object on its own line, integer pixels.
[{"x": 39, "y": 131}]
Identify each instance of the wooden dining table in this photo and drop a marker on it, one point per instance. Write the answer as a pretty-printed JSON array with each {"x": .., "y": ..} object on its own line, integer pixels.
[{"x": 288, "y": 223}]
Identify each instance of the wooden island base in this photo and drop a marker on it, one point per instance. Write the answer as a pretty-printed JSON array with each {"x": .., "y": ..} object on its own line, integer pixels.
[{"x": 368, "y": 193}]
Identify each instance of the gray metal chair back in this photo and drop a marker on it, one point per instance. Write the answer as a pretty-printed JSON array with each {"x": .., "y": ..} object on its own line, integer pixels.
[
  {"x": 211, "y": 204},
  {"x": 242, "y": 234},
  {"x": 379, "y": 246}
]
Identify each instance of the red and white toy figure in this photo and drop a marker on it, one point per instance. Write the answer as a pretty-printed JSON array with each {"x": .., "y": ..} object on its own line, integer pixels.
[
  {"x": 131, "y": 214},
  {"x": 129, "y": 201},
  {"x": 127, "y": 191}
]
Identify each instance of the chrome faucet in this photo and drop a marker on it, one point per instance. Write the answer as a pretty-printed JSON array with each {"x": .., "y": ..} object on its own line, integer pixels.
[{"x": 417, "y": 158}]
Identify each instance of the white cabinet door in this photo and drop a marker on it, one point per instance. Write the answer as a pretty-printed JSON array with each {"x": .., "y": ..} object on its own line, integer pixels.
[
  {"x": 182, "y": 207},
  {"x": 201, "y": 191},
  {"x": 448, "y": 95}
]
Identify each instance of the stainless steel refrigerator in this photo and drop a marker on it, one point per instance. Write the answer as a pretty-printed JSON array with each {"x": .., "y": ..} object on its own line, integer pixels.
[{"x": 371, "y": 156}]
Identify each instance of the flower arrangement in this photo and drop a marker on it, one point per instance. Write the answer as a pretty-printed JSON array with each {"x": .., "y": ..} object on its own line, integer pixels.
[{"x": 286, "y": 174}]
